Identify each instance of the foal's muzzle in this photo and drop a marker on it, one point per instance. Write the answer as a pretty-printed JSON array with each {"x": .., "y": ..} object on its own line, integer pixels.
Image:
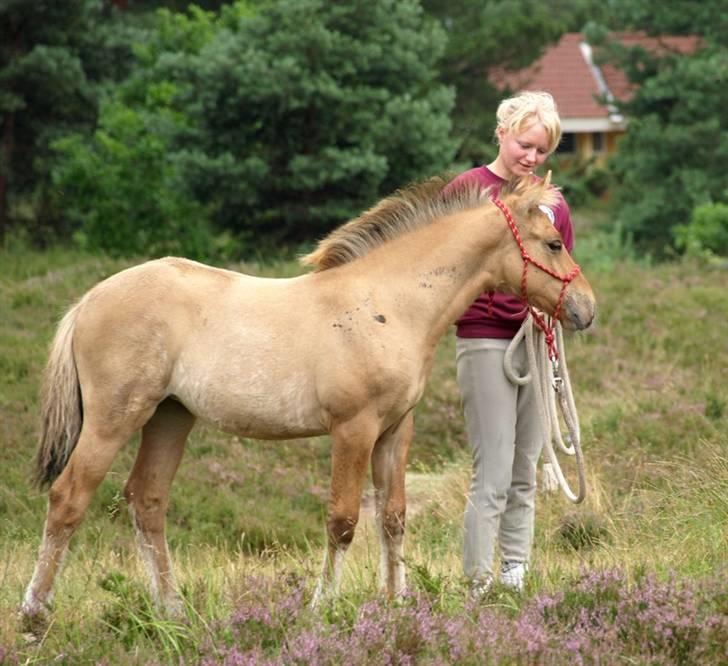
[{"x": 579, "y": 311}]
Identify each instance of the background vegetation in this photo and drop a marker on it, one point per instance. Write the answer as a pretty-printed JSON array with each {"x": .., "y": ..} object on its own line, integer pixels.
[
  {"x": 224, "y": 130},
  {"x": 238, "y": 132}
]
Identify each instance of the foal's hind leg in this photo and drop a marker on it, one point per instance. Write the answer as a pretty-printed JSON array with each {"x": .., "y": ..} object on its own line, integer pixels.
[
  {"x": 389, "y": 461},
  {"x": 147, "y": 492},
  {"x": 352, "y": 444},
  {"x": 68, "y": 499}
]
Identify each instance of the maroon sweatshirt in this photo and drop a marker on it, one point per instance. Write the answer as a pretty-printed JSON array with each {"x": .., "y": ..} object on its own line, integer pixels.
[{"x": 502, "y": 315}]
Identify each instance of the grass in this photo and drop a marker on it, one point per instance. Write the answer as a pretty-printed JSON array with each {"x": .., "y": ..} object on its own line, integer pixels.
[{"x": 246, "y": 521}]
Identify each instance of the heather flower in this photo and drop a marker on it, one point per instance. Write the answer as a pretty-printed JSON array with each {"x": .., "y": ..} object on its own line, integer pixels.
[
  {"x": 416, "y": 628},
  {"x": 8, "y": 657},
  {"x": 596, "y": 617},
  {"x": 455, "y": 630},
  {"x": 532, "y": 634},
  {"x": 652, "y": 621},
  {"x": 490, "y": 630},
  {"x": 369, "y": 628},
  {"x": 236, "y": 657},
  {"x": 661, "y": 618},
  {"x": 315, "y": 647}
]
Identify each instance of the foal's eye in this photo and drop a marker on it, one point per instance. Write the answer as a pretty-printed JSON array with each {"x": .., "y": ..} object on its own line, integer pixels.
[{"x": 555, "y": 245}]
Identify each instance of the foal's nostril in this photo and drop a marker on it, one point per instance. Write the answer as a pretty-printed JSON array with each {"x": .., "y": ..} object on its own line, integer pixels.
[{"x": 576, "y": 319}]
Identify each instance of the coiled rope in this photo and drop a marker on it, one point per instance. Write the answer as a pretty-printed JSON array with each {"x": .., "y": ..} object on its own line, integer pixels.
[{"x": 550, "y": 379}]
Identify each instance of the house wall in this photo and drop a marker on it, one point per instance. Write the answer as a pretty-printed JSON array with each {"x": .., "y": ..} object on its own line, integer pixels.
[{"x": 598, "y": 145}]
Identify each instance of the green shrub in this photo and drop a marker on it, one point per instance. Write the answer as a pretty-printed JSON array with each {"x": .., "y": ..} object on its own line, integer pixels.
[
  {"x": 582, "y": 531},
  {"x": 121, "y": 191},
  {"x": 707, "y": 231},
  {"x": 671, "y": 159},
  {"x": 580, "y": 180}
]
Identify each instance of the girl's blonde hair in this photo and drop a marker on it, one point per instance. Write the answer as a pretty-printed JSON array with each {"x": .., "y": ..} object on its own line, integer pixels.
[{"x": 516, "y": 114}]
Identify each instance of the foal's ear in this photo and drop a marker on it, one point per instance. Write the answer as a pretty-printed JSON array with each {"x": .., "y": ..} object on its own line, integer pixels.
[
  {"x": 547, "y": 181},
  {"x": 534, "y": 190},
  {"x": 543, "y": 192}
]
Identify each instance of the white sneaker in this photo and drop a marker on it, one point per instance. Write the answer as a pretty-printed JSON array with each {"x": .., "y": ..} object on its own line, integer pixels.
[
  {"x": 480, "y": 587},
  {"x": 513, "y": 575}
]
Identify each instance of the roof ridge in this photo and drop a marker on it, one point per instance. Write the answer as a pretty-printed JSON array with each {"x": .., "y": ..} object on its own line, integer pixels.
[{"x": 586, "y": 52}]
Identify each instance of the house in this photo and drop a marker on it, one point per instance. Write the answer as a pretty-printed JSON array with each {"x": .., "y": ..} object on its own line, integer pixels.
[{"x": 583, "y": 89}]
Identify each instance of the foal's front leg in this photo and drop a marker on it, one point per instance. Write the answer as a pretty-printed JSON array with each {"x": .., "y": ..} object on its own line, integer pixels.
[
  {"x": 389, "y": 462},
  {"x": 352, "y": 444}
]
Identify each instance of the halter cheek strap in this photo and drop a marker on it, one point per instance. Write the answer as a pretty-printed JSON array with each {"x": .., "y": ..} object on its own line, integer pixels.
[{"x": 547, "y": 328}]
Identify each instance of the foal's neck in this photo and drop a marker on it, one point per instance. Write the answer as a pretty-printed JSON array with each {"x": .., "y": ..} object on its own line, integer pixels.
[{"x": 439, "y": 270}]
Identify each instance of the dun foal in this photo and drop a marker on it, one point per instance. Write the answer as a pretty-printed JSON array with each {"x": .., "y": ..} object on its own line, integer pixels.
[{"x": 344, "y": 350}]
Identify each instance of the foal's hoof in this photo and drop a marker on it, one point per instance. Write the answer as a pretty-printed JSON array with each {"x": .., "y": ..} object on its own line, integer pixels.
[
  {"x": 316, "y": 600},
  {"x": 322, "y": 595},
  {"x": 173, "y": 607},
  {"x": 33, "y": 622}
]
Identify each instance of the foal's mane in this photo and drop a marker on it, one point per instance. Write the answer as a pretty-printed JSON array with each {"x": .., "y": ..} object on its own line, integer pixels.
[{"x": 408, "y": 209}]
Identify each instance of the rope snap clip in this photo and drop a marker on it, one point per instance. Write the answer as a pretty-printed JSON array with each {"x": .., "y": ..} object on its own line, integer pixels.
[{"x": 557, "y": 381}]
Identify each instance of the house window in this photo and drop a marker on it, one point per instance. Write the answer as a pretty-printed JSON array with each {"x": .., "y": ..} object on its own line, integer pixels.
[
  {"x": 567, "y": 144},
  {"x": 597, "y": 142}
]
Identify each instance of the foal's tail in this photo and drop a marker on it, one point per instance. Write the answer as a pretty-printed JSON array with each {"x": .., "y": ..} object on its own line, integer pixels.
[{"x": 61, "y": 408}]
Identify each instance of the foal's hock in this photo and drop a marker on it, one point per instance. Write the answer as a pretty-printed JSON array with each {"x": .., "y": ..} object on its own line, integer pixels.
[{"x": 345, "y": 350}]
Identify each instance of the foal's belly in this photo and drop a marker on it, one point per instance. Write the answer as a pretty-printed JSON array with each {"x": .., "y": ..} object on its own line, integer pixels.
[{"x": 250, "y": 402}]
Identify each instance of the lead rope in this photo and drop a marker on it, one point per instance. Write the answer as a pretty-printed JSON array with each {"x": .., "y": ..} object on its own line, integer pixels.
[{"x": 550, "y": 379}]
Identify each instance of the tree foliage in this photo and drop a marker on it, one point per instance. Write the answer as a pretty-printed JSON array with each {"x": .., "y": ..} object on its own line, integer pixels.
[
  {"x": 707, "y": 18},
  {"x": 671, "y": 159},
  {"x": 53, "y": 59},
  {"x": 121, "y": 187},
  {"x": 43, "y": 87},
  {"x": 286, "y": 120},
  {"x": 123, "y": 194},
  {"x": 274, "y": 120},
  {"x": 328, "y": 106}
]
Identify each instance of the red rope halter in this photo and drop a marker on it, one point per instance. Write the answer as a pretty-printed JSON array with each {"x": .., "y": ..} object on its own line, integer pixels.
[{"x": 548, "y": 329}]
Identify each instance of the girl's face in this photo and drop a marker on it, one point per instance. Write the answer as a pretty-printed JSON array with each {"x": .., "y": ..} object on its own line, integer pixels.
[{"x": 523, "y": 152}]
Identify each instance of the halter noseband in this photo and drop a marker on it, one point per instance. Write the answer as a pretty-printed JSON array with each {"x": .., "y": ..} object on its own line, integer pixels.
[{"x": 547, "y": 328}]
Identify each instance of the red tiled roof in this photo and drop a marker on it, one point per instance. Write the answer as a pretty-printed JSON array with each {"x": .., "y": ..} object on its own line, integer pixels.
[
  {"x": 568, "y": 73},
  {"x": 563, "y": 72}
]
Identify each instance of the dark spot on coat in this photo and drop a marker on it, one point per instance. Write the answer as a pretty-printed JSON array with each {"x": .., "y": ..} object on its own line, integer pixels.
[{"x": 380, "y": 318}]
